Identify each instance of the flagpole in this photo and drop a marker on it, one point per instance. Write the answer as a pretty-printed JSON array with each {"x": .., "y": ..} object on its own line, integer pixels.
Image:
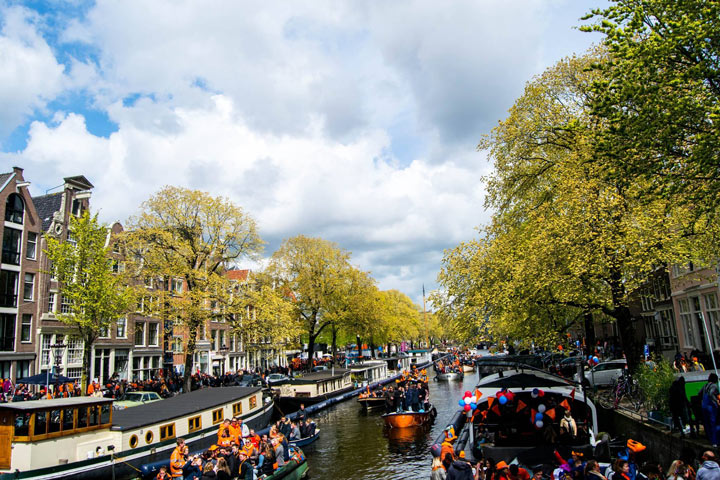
[{"x": 427, "y": 335}]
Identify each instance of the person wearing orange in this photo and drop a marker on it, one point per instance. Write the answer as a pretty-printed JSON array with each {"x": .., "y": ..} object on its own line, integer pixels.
[
  {"x": 224, "y": 435},
  {"x": 177, "y": 459},
  {"x": 450, "y": 436},
  {"x": 235, "y": 431}
]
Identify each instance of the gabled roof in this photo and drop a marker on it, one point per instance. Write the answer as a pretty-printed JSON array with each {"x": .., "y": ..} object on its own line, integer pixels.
[
  {"x": 4, "y": 178},
  {"x": 79, "y": 181},
  {"x": 239, "y": 275},
  {"x": 46, "y": 206}
]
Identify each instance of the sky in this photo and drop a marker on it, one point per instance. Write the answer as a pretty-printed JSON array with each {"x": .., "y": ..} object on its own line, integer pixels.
[{"x": 354, "y": 121}]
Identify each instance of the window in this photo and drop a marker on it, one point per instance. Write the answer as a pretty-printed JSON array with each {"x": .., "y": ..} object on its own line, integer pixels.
[
  {"x": 117, "y": 266},
  {"x": 149, "y": 437},
  {"x": 31, "y": 250},
  {"x": 29, "y": 286},
  {"x": 194, "y": 424},
  {"x": 23, "y": 369},
  {"x": 140, "y": 334},
  {"x": 26, "y": 329},
  {"x": 7, "y": 332},
  {"x": 167, "y": 432},
  {"x": 177, "y": 345},
  {"x": 14, "y": 208},
  {"x": 237, "y": 409},
  {"x": 75, "y": 350},
  {"x": 8, "y": 288},
  {"x": 176, "y": 285},
  {"x": 221, "y": 339},
  {"x": 253, "y": 402},
  {"x": 65, "y": 304},
  {"x": 77, "y": 207},
  {"x": 51, "y": 302},
  {"x": 213, "y": 341},
  {"x": 153, "y": 334},
  {"x": 133, "y": 441},
  {"x": 74, "y": 372},
  {"x": 713, "y": 316},
  {"x": 71, "y": 240},
  {"x": 686, "y": 320},
  {"x": 45, "y": 343},
  {"x": 104, "y": 331},
  {"x": 121, "y": 328},
  {"x": 217, "y": 416}
]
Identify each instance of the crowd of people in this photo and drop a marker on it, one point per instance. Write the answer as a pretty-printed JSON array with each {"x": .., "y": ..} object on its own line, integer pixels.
[{"x": 240, "y": 453}]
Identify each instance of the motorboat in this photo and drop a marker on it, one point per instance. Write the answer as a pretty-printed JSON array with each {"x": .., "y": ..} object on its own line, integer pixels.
[{"x": 407, "y": 419}]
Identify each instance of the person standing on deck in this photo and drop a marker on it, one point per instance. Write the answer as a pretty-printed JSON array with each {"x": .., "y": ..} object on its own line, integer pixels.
[
  {"x": 177, "y": 460},
  {"x": 709, "y": 393}
]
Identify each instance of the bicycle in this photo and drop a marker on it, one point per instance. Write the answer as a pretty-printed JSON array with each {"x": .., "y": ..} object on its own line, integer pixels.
[{"x": 624, "y": 388}]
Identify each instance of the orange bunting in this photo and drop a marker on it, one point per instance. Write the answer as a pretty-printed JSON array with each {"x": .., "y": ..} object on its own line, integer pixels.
[
  {"x": 533, "y": 412},
  {"x": 565, "y": 404},
  {"x": 550, "y": 413},
  {"x": 496, "y": 410},
  {"x": 521, "y": 405},
  {"x": 490, "y": 401}
]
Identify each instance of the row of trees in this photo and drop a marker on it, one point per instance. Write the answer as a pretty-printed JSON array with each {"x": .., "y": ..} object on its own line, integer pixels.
[
  {"x": 605, "y": 168},
  {"x": 309, "y": 289}
]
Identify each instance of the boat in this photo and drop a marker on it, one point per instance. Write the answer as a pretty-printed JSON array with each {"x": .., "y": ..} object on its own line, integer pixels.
[
  {"x": 410, "y": 418},
  {"x": 368, "y": 403},
  {"x": 301, "y": 442},
  {"x": 523, "y": 425},
  {"x": 449, "y": 376},
  {"x": 314, "y": 387},
  {"x": 468, "y": 368},
  {"x": 84, "y": 438}
]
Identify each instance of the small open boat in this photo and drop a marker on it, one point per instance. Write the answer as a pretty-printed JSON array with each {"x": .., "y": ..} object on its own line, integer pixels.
[
  {"x": 371, "y": 402},
  {"x": 468, "y": 368},
  {"x": 449, "y": 376},
  {"x": 305, "y": 441},
  {"x": 410, "y": 419}
]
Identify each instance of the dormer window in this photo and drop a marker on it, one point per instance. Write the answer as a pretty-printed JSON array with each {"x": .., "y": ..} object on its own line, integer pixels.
[
  {"x": 14, "y": 208},
  {"x": 77, "y": 207}
]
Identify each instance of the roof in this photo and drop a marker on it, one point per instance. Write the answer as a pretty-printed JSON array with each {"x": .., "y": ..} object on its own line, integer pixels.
[
  {"x": 4, "y": 178},
  {"x": 523, "y": 380},
  {"x": 316, "y": 377},
  {"x": 178, "y": 406},
  {"x": 46, "y": 206},
  {"x": 79, "y": 181},
  {"x": 240, "y": 275},
  {"x": 54, "y": 403}
]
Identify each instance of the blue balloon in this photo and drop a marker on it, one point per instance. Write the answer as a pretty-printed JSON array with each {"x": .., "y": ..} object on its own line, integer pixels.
[
  {"x": 473, "y": 406},
  {"x": 596, "y": 360},
  {"x": 538, "y": 416},
  {"x": 503, "y": 400},
  {"x": 589, "y": 357},
  {"x": 461, "y": 403}
]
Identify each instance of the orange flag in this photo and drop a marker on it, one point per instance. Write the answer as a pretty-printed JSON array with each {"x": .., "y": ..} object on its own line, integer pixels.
[
  {"x": 478, "y": 393},
  {"x": 533, "y": 412},
  {"x": 496, "y": 410},
  {"x": 572, "y": 394},
  {"x": 565, "y": 404},
  {"x": 520, "y": 405},
  {"x": 490, "y": 401},
  {"x": 550, "y": 413}
]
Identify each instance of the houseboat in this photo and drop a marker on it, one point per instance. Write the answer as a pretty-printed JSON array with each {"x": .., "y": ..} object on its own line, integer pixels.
[
  {"x": 365, "y": 373},
  {"x": 314, "y": 387},
  {"x": 419, "y": 358},
  {"x": 83, "y": 438}
]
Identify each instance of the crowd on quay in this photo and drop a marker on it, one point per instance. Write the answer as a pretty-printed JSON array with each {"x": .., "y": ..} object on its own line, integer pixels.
[
  {"x": 166, "y": 385},
  {"x": 240, "y": 453}
]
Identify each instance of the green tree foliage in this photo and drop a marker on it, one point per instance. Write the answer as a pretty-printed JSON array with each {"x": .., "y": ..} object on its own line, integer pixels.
[
  {"x": 193, "y": 236},
  {"x": 654, "y": 382},
  {"x": 565, "y": 240},
  {"x": 660, "y": 99},
  {"x": 96, "y": 296}
]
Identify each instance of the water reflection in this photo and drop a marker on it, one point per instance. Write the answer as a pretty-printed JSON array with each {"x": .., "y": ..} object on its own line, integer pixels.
[{"x": 356, "y": 445}]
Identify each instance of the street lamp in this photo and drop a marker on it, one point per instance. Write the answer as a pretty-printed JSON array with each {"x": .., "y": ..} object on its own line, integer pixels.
[{"x": 57, "y": 349}]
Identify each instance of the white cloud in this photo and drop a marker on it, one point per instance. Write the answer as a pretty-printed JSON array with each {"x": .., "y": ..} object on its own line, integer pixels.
[{"x": 30, "y": 75}]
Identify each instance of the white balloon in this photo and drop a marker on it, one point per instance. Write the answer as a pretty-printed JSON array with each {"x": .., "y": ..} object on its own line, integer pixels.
[
  {"x": 473, "y": 399},
  {"x": 539, "y": 424},
  {"x": 541, "y": 408},
  {"x": 467, "y": 401}
]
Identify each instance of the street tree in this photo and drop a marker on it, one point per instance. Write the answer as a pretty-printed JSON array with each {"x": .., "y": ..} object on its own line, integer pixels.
[
  {"x": 95, "y": 295},
  {"x": 566, "y": 240},
  {"x": 660, "y": 98},
  {"x": 320, "y": 276},
  {"x": 191, "y": 236}
]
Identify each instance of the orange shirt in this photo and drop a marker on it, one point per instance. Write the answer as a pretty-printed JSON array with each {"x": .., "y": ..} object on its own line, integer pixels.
[{"x": 177, "y": 461}]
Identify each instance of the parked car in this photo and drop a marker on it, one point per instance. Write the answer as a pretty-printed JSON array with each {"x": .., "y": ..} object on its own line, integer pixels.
[
  {"x": 568, "y": 366},
  {"x": 277, "y": 379},
  {"x": 605, "y": 373},
  {"x": 249, "y": 381},
  {"x": 320, "y": 368},
  {"x": 133, "y": 399}
]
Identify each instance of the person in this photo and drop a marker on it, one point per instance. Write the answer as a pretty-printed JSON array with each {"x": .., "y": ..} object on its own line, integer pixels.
[
  {"x": 673, "y": 470},
  {"x": 709, "y": 469},
  {"x": 568, "y": 423},
  {"x": 294, "y": 432},
  {"x": 245, "y": 469},
  {"x": 679, "y": 405},
  {"x": 709, "y": 394},
  {"x": 222, "y": 469},
  {"x": 592, "y": 471},
  {"x": 177, "y": 459},
  {"x": 438, "y": 470},
  {"x": 208, "y": 472},
  {"x": 460, "y": 470},
  {"x": 517, "y": 473},
  {"x": 162, "y": 474},
  {"x": 243, "y": 428},
  {"x": 621, "y": 470},
  {"x": 301, "y": 414}
]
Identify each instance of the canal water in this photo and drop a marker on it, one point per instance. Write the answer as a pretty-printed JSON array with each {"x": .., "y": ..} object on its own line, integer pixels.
[{"x": 354, "y": 445}]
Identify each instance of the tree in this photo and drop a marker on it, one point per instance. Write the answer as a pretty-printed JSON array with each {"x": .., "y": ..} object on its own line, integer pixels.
[
  {"x": 193, "y": 236},
  {"x": 318, "y": 273},
  {"x": 96, "y": 296},
  {"x": 566, "y": 239},
  {"x": 660, "y": 98}
]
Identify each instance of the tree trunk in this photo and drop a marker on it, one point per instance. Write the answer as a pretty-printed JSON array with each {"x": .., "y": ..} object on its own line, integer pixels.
[
  {"x": 190, "y": 354},
  {"x": 87, "y": 354},
  {"x": 624, "y": 320},
  {"x": 311, "y": 350},
  {"x": 334, "y": 342},
  {"x": 589, "y": 333}
]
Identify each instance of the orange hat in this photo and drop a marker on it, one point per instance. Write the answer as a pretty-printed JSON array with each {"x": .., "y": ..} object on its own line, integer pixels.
[
  {"x": 500, "y": 465},
  {"x": 461, "y": 454},
  {"x": 635, "y": 446},
  {"x": 213, "y": 448},
  {"x": 577, "y": 454}
]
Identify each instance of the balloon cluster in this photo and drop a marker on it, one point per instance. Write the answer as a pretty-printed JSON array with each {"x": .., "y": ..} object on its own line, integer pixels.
[
  {"x": 536, "y": 392},
  {"x": 468, "y": 402},
  {"x": 538, "y": 420},
  {"x": 504, "y": 396}
]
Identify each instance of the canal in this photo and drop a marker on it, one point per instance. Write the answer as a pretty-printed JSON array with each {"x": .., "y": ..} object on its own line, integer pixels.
[{"x": 354, "y": 445}]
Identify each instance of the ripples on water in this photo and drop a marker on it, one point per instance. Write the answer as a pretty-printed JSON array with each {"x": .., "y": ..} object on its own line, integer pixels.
[{"x": 356, "y": 446}]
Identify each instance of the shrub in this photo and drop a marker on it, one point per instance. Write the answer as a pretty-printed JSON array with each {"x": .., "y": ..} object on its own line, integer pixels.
[{"x": 654, "y": 380}]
